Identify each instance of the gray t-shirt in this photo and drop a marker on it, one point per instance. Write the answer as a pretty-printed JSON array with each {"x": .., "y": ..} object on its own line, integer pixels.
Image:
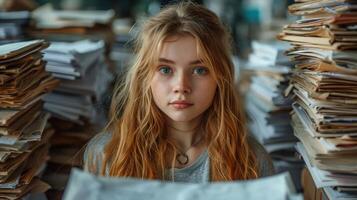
[{"x": 197, "y": 172}]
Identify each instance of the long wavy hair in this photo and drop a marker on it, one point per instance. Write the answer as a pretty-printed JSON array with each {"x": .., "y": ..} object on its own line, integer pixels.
[{"x": 139, "y": 144}]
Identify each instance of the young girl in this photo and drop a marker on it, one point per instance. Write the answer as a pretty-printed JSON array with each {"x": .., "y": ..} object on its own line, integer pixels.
[{"x": 177, "y": 117}]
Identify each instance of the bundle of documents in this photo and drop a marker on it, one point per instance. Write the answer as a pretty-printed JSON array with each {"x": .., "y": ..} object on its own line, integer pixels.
[
  {"x": 84, "y": 79},
  {"x": 83, "y": 185},
  {"x": 23, "y": 78},
  {"x": 78, "y": 55},
  {"x": 72, "y": 60},
  {"x": 325, "y": 85},
  {"x": 80, "y": 47},
  {"x": 12, "y": 25},
  {"x": 76, "y": 105},
  {"x": 265, "y": 101},
  {"x": 267, "y": 106},
  {"x": 24, "y": 132},
  {"x": 72, "y": 25},
  {"x": 326, "y": 24}
]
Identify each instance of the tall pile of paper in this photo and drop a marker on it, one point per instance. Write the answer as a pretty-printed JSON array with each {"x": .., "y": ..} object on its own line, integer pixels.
[
  {"x": 24, "y": 132},
  {"x": 78, "y": 55},
  {"x": 12, "y": 25},
  {"x": 325, "y": 84},
  {"x": 267, "y": 107},
  {"x": 76, "y": 103}
]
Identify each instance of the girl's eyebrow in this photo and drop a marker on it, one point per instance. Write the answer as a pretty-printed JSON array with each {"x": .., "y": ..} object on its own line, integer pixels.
[
  {"x": 195, "y": 62},
  {"x": 166, "y": 60}
]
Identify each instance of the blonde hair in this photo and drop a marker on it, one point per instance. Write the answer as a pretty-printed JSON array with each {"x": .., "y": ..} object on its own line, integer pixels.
[{"x": 138, "y": 146}]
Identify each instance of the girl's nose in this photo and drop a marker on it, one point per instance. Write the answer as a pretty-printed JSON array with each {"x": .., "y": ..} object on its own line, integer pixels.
[{"x": 182, "y": 84}]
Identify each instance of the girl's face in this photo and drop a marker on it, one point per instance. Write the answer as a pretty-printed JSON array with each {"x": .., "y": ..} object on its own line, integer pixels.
[{"x": 182, "y": 86}]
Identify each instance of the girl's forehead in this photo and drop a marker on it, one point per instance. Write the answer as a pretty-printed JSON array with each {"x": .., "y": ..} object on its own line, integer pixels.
[{"x": 183, "y": 46}]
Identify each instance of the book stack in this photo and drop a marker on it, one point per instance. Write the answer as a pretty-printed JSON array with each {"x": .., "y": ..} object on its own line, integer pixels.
[
  {"x": 268, "y": 108},
  {"x": 12, "y": 24},
  {"x": 24, "y": 132},
  {"x": 324, "y": 82}
]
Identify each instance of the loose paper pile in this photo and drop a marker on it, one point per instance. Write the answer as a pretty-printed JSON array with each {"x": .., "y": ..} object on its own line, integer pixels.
[
  {"x": 66, "y": 25},
  {"x": 325, "y": 84},
  {"x": 75, "y": 103},
  {"x": 268, "y": 108},
  {"x": 24, "y": 132},
  {"x": 84, "y": 79}
]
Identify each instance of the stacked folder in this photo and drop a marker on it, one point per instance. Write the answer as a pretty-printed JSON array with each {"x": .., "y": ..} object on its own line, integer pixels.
[
  {"x": 325, "y": 85},
  {"x": 12, "y": 25},
  {"x": 267, "y": 106},
  {"x": 24, "y": 132}
]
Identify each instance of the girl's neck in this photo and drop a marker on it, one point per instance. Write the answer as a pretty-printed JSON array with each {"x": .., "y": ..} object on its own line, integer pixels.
[{"x": 184, "y": 133}]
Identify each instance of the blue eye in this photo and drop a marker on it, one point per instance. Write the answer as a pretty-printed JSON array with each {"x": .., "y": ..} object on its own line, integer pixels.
[
  {"x": 165, "y": 70},
  {"x": 200, "y": 70}
]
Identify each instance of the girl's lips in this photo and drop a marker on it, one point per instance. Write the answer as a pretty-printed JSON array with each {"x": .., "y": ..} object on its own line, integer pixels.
[{"x": 181, "y": 105}]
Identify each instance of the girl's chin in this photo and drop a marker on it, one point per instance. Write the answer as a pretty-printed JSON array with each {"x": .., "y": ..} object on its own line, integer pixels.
[{"x": 182, "y": 118}]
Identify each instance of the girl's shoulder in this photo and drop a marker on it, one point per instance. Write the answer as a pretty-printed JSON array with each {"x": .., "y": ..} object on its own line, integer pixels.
[
  {"x": 265, "y": 164},
  {"x": 94, "y": 152}
]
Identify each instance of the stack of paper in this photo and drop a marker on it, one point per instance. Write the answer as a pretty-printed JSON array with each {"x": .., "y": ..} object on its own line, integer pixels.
[
  {"x": 325, "y": 84},
  {"x": 267, "y": 106},
  {"x": 326, "y": 24},
  {"x": 24, "y": 132},
  {"x": 72, "y": 60},
  {"x": 72, "y": 25},
  {"x": 78, "y": 55},
  {"x": 75, "y": 104},
  {"x": 23, "y": 78},
  {"x": 265, "y": 102},
  {"x": 84, "y": 78},
  {"x": 12, "y": 25}
]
